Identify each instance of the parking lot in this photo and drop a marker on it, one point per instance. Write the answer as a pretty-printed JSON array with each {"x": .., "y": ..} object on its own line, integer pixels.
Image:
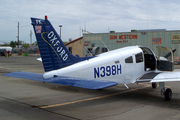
[{"x": 22, "y": 99}]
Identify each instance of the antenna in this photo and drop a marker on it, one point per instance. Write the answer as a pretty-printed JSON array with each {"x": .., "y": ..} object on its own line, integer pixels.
[
  {"x": 85, "y": 27},
  {"x": 79, "y": 31},
  {"x": 85, "y": 31}
]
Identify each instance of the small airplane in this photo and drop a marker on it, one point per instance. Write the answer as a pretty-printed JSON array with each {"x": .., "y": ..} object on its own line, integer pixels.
[{"x": 133, "y": 64}]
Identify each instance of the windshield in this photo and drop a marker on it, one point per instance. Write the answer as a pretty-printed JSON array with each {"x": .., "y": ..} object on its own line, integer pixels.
[{"x": 146, "y": 51}]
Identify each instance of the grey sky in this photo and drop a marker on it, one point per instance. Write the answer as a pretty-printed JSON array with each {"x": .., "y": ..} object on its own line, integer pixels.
[{"x": 98, "y": 16}]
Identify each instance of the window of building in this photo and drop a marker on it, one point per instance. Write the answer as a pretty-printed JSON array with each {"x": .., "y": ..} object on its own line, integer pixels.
[
  {"x": 129, "y": 60},
  {"x": 70, "y": 49},
  {"x": 139, "y": 58},
  {"x": 104, "y": 49},
  {"x": 89, "y": 50}
]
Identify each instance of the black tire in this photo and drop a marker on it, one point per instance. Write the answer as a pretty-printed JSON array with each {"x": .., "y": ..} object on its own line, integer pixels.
[
  {"x": 100, "y": 89},
  {"x": 168, "y": 94},
  {"x": 154, "y": 85}
]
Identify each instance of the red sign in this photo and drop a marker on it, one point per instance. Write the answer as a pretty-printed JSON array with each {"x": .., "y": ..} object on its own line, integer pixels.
[
  {"x": 86, "y": 43},
  {"x": 122, "y": 41},
  {"x": 128, "y": 37},
  {"x": 156, "y": 40},
  {"x": 122, "y": 38},
  {"x": 112, "y": 37}
]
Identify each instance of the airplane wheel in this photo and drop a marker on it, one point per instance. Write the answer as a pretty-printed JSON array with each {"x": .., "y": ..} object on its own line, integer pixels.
[
  {"x": 168, "y": 94},
  {"x": 99, "y": 89},
  {"x": 154, "y": 85}
]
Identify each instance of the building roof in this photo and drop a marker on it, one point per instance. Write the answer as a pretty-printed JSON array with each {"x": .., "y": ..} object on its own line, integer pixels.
[{"x": 74, "y": 40}]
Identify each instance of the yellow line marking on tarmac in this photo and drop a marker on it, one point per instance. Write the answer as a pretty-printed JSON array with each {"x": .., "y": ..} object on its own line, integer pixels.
[
  {"x": 95, "y": 98},
  {"x": 4, "y": 67}
]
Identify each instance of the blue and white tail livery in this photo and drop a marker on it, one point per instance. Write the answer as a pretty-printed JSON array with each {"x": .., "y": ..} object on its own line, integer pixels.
[
  {"x": 53, "y": 52},
  {"x": 133, "y": 64}
]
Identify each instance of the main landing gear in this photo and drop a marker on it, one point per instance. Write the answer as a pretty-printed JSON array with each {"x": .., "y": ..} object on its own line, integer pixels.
[
  {"x": 154, "y": 85},
  {"x": 167, "y": 93}
]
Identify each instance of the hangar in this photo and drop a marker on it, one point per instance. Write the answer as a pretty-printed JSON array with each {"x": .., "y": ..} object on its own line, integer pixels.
[
  {"x": 96, "y": 43},
  {"x": 76, "y": 47}
]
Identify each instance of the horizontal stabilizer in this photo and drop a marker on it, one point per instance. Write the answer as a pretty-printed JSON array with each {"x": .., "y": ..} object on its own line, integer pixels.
[
  {"x": 71, "y": 81},
  {"x": 25, "y": 75}
]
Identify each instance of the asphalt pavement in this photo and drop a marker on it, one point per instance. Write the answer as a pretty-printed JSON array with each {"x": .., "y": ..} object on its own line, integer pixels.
[{"x": 22, "y": 99}]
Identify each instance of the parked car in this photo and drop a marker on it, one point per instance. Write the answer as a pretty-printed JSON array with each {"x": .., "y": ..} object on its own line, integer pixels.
[{"x": 2, "y": 52}]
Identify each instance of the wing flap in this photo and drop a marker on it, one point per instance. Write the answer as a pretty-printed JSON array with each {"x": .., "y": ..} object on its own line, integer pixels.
[
  {"x": 159, "y": 77},
  {"x": 167, "y": 77},
  {"x": 71, "y": 81}
]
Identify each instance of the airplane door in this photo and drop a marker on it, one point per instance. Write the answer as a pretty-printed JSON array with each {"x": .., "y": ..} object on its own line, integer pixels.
[
  {"x": 139, "y": 63},
  {"x": 134, "y": 67},
  {"x": 129, "y": 70},
  {"x": 165, "y": 61}
]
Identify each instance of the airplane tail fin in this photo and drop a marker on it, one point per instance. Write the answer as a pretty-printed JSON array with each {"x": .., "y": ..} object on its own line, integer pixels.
[{"x": 53, "y": 52}]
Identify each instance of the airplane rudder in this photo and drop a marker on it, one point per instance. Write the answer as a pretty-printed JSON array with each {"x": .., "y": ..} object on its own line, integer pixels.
[
  {"x": 45, "y": 50},
  {"x": 52, "y": 48}
]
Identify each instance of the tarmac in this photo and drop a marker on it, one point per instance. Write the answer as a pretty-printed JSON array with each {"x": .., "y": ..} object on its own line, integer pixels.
[{"x": 22, "y": 99}]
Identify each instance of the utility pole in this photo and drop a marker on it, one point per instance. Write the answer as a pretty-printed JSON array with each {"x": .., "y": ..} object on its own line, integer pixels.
[
  {"x": 79, "y": 31},
  {"x": 18, "y": 35},
  {"x": 30, "y": 37},
  {"x": 60, "y": 30}
]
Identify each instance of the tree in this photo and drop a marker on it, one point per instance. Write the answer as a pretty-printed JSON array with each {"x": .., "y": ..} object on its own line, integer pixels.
[
  {"x": 36, "y": 43},
  {"x": 25, "y": 46},
  {"x": 6, "y": 44},
  {"x": 13, "y": 44}
]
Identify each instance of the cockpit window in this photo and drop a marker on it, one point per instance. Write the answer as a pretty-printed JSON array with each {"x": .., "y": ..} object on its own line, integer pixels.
[
  {"x": 139, "y": 58},
  {"x": 129, "y": 60},
  {"x": 146, "y": 51}
]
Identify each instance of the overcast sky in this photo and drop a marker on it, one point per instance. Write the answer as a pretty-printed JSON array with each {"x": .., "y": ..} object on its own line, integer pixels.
[{"x": 98, "y": 16}]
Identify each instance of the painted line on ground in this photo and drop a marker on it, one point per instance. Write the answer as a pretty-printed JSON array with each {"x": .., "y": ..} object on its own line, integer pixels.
[
  {"x": 95, "y": 98},
  {"x": 4, "y": 67}
]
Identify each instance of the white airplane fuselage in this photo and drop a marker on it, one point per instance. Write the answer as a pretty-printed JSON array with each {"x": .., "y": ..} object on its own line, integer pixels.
[{"x": 108, "y": 66}]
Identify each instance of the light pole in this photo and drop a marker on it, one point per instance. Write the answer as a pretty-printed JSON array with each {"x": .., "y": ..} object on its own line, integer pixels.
[
  {"x": 18, "y": 35},
  {"x": 60, "y": 30},
  {"x": 30, "y": 37}
]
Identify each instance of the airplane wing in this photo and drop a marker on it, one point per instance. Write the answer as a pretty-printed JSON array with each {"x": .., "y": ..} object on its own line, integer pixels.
[
  {"x": 159, "y": 77},
  {"x": 71, "y": 81}
]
